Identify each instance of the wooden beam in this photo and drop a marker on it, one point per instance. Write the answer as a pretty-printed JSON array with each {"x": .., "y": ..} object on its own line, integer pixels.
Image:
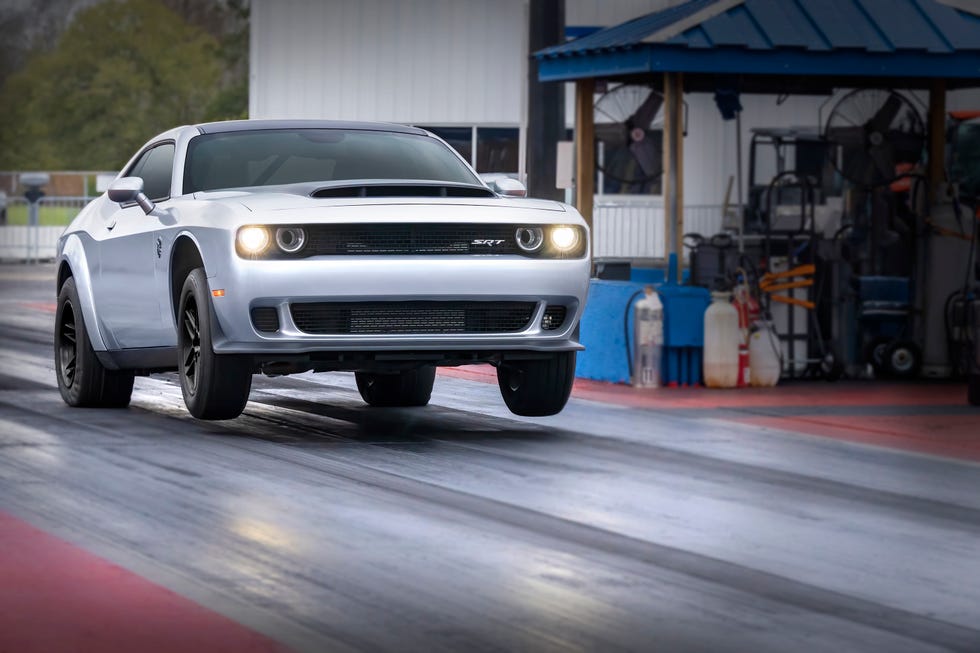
[
  {"x": 937, "y": 137},
  {"x": 584, "y": 148}
]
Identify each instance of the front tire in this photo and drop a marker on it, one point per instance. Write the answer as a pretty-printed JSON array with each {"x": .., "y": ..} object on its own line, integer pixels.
[
  {"x": 82, "y": 379},
  {"x": 537, "y": 387},
  {"x": 401, "y": 389},
  {"x": 215, "y": 386}
]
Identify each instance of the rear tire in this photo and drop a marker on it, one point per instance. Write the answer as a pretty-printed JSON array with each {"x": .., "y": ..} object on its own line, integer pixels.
[
  {"x": 82, "y": 379},
  {"x": 537, "y": 388},
  {"x": 401, "y": 389},
  {"x": 215, "y": 386}
]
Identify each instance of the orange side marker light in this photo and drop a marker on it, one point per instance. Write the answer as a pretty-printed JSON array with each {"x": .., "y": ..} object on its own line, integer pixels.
[{"x": 218, "y": 293}]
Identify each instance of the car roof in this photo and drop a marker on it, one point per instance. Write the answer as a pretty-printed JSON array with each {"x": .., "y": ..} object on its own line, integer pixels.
[{"x": 250, "y": 125}]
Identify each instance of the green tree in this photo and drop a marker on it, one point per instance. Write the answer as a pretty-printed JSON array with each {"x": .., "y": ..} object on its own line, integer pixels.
[{"x": 123, "y": 71}]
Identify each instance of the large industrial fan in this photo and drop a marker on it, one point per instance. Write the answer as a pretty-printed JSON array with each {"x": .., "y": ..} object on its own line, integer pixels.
[
  {"x": 875, "y": 132},
  {"x": 629, "y": 134}
]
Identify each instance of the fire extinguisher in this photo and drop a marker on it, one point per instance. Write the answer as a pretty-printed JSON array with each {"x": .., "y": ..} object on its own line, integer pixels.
[
  {"x": 748, "y": 314},
  {"x": 648, "y": 340}
]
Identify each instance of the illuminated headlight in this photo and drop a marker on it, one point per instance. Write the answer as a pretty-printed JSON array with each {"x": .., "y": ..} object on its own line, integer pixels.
[
  {"x": 253, "y": 240},
  {"x": 290, "y": 239},
  {"x": 564, "y": 238},
  {"x": 529, "y": 239}
]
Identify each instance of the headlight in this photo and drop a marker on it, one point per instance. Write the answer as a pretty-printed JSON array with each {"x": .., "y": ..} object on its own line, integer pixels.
[
  {"x": 529, "y": 239},
  {"x": 290, "y": 239},
  {"x": 564, "y": 238},
  {"x": 253, "y": 240}
]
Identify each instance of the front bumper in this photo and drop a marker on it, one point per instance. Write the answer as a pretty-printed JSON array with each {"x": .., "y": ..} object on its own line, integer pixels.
[{"x": 266, "y": 283}]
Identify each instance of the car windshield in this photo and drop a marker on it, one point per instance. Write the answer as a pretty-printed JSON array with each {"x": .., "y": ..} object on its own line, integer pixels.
[{"x": 287, "y": 156}]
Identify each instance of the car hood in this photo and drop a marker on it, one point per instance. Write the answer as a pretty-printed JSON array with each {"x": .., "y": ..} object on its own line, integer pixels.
[{"x": 258, "y": 201}]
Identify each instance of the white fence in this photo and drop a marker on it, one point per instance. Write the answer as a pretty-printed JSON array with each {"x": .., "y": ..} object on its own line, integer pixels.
[
  {"x": 634, "y": 228},
  {"x": 20, "y": 242},
  {"x": 29, "y": 243}
]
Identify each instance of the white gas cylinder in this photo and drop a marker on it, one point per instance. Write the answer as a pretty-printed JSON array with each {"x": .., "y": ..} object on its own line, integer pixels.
[
  {"x": 764, "y": 364},
  {"x": 721, "y": 340},
  {"x": 648, "y": 340}
]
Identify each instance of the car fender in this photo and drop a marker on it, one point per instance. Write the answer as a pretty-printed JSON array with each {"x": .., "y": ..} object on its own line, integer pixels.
[
  {"x": 209, "y": 248},
  {"x": 73, "y": 252}
]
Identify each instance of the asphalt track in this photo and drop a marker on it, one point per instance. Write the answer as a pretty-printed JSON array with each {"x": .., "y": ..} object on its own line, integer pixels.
[{"x": 314, "y": 523}]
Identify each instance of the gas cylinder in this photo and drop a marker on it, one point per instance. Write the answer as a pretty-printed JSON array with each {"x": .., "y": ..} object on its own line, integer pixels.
[
  {"x": 764, "y": 364},
  {"x": 648, "y": 340},
  {"x": 721, "y": 338},
  {"x": 748, "y": 312}
]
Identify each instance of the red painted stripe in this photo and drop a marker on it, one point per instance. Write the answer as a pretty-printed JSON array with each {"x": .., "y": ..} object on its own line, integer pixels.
[
  {"x": 953, "y": 436},
  {"x": 43, "y": 307},
  {"x": 57, "y": 597},
  {"x": 956, "y": 436},
  {"x": 855, "y": 393}
]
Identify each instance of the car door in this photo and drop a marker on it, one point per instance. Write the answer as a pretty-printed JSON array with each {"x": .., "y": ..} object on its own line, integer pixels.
[{"x": 128, "y": 298}]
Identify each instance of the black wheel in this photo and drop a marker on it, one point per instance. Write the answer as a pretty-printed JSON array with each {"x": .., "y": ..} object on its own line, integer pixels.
[
  {"x": 215, "y": 386},
  {"x": 82, "y": 379},
  {"x": 874, "y": 353},
  {"x": 407, "y": 388},
  {"x": 537, "y": 387},
  {"x": 902, "y": 359},
  {"x": 831, "y": 368},
  {"x": 973, "y": 389}
]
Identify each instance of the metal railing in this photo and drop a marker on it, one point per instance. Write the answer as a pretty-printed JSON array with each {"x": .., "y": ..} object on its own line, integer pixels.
[
  {"x": 634, "y": 228},
  {"x": 21, "y": 241}
]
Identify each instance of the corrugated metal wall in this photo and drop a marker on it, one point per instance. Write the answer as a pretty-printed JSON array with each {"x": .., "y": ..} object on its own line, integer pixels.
[
  {"x": 422, "y": 61},
  {"x": 445, "y": 62},
  {"x": 606, "y": 13}
]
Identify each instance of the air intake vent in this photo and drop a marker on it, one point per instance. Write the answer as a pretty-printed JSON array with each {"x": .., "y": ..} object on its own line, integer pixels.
[
  {"x": 395, "y": 190},
  {"x": 265, "y": 319},
  {"x": 337, "y": 318},
  {"x": 554, "y": 317}
]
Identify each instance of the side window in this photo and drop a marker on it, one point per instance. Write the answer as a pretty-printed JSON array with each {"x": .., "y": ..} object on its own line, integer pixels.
[{"x": 156, "y": 169}]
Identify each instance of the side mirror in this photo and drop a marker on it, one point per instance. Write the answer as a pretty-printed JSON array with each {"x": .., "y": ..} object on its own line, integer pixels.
[
  {"x": 126, "y": 190},
  {"x": 508, "y": 187}
]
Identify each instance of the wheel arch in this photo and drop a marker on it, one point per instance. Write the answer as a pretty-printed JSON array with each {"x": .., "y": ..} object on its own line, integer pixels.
[
  {"x": 184, "y": 257},
  {"x": 73, "y": 263}
]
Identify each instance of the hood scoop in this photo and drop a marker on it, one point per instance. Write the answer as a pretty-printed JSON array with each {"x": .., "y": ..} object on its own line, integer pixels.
[{"x": 400, "y": 190}]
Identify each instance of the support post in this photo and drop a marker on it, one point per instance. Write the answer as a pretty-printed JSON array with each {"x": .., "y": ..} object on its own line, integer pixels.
[
  {"x": 545, "y": 102},
  {"x": 673, "y": 164},
  {"x": 584, "y": 149},
  {"x": 937, "y": 137}
]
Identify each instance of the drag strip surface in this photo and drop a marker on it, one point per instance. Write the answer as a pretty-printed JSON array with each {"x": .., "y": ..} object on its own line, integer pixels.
[{"x": 325, "y": 525}]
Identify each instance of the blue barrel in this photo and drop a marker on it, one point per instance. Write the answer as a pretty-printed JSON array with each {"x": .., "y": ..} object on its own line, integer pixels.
[{"x": 684, "y": 308}]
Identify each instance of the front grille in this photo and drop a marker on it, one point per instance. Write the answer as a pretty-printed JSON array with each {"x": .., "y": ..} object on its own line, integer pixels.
[
  {"x": 424, "y": 317},
  {"x": 553, "y": 318},
  {"x": 409, "y": 239},
  {"x": 265, "y": 319}
]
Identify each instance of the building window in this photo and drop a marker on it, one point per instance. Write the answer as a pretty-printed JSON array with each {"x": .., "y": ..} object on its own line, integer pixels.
[
  {"x": 496, "y": 149},
  {"x": 459, "y": 138}
]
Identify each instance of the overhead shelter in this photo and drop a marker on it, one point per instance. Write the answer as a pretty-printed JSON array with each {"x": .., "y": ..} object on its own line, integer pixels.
[{"x": 768, "y": 46}]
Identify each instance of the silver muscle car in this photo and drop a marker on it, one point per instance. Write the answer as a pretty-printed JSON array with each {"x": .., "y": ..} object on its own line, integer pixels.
[{"x": 228, "y": 249}]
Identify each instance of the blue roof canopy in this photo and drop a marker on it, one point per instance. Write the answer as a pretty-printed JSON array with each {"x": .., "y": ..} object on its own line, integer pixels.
[{"x": 912, "y": 39}]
